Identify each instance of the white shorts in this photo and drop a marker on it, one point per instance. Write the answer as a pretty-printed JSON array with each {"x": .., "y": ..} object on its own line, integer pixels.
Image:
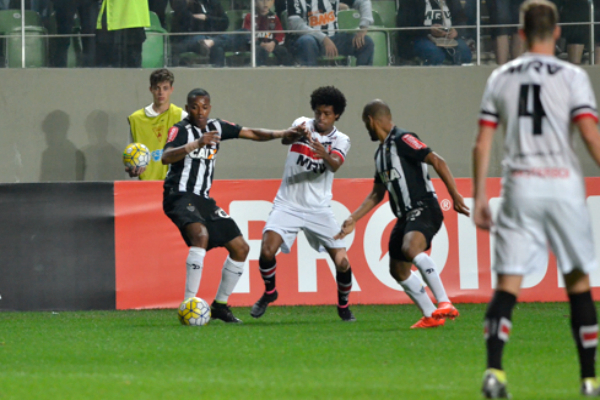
[
  {"x": 319, "y": 228},
  {"x": 525, "y": 227}
]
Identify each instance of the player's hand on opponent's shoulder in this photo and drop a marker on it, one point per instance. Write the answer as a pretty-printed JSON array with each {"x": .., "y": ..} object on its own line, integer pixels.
[
  {"x": 347, "y": 228},
  {"x": 135, "y": 171},
  {"x": 459, "y": 205},
  {"x": 482, "y": 215}
]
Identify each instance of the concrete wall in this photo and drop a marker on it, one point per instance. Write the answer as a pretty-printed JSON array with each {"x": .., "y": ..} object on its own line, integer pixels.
[{"x": 66, "y": 125}]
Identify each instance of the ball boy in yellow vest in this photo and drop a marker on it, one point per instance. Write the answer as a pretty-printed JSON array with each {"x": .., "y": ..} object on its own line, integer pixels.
[{"x": 151, "y": 124}]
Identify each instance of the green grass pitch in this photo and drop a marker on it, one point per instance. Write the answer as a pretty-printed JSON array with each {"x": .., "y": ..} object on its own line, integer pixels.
[{"x": 290, "y": 353}]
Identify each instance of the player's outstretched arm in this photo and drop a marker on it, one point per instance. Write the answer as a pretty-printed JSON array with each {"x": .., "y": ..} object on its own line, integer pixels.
[
  {"x": 263, "y": 135},
  {"x": 372, "y": 199},
  {"x": 441, "y": 167},
  {"x": 174, "y": 154},
  {"x": 590, "y": 135},
  {"x": 482, "y": 215}
]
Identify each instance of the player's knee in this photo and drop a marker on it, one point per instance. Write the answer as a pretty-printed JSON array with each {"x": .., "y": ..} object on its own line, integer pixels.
[
  {"x": 267, "y": 252},
  {"x": 240, "y": 249},
  {"x": 199, "y": 238},
  {"x": 342, "y": 265},
  {"x": 409, "y": 251}
]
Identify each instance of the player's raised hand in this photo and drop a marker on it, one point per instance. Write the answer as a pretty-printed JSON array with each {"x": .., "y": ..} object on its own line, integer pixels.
[
  {"x": 209, "y": 138},
  {"x": 347, "y": 228},
  {"x": 482, "y": 215},
  {"x": 459, "y": 205}
]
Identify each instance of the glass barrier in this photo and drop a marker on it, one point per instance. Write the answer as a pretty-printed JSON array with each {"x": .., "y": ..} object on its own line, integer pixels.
[{"x": 56, "y": 34}]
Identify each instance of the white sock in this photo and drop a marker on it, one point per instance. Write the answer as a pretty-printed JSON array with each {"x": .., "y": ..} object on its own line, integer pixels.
[
  {"x": 431, "y": 276},
  {"x": 416, "y": 291},
  {"x": 232, "y": 271},
  {"x": 193, "y": 265}
]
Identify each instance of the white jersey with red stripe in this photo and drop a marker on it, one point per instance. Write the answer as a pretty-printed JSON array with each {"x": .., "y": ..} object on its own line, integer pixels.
[
  {"x": 537, "y": 98},
  {"x": 307, "y": 179}
]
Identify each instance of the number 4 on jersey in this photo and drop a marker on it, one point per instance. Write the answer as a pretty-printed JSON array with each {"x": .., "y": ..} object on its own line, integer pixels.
[{"x": 538, "y": 111}]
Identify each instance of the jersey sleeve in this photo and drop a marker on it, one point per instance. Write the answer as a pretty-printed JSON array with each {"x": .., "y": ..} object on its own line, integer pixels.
[
  {"x": 488, "y": 114},
  {"x": 341, "y": 147},
  {"x": 176, "y": 137},
  {"x": 229, "y": 130},
  {"x": 410, "y": 146},
  {"x": 583, "y": 101}
]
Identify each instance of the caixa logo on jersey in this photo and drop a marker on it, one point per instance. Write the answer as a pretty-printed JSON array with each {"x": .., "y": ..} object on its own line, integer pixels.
[{"x": 204, "y": 153}]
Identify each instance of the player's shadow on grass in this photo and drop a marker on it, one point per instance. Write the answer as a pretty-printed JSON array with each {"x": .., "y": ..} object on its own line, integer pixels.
[
  {"x": 103, "y": 160},
  {"x": 62, "y": 161}
]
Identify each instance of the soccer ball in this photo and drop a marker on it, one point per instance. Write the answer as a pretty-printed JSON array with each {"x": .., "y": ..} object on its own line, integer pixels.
[
  {"x": 194, "y": 311},
  {"x": 136, "y": 155}
]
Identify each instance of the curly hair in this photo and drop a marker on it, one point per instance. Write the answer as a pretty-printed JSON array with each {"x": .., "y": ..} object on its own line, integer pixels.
[{"x": 328, "y": 96}]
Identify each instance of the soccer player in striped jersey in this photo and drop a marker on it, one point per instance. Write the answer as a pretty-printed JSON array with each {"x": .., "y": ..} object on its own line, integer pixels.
[
  {"x": 303, "y": 199},
  {"x": 538, "y": 99},
  {"x": 401, "y": 168},
  {"x": 191, "y": 152}
]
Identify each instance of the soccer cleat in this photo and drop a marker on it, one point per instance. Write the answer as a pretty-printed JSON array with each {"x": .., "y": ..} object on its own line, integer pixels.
[
  {"x": 223, "y": 312},
  {"x": 590, "y": 387},
  {"x": 345, "y": 314},
  {"x": 445, "y": 310},
  {"x": 259, "y": 308},
  {"x": 428, "y": 322},
  {"x": 494, "y": 384}
]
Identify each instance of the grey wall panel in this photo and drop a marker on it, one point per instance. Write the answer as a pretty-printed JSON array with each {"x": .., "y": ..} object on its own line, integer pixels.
[
  {"x": 57, "y": 246},
  {"x": 65, "y": 125}
]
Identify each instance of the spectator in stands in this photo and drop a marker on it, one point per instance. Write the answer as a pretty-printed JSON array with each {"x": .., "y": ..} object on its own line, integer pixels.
[
  {"x": 151, "y": 124},
  {"x": 120, "y": 33},
  {"x": 440, "y": 41},
  {"x": 508, "y": 43},
  {"x": 577, "y": 36},
  {"x": 202, "y": 17},
  {"x": 267, "y": 42},
  {"x": 316, "y": 23},
  {"x": 160, "y": 8},
  {"x": 65, "y": 11}
]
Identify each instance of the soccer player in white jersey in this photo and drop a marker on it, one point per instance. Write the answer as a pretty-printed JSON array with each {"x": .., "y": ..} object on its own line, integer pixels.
[
  {"x": 538, "y": 99},
  {"x": 303, "y": 199}
]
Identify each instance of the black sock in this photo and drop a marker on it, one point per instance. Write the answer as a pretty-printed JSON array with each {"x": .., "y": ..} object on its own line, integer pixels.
[
  {"x": 584, "y": 325},
  {"x": 267, "y": 271},
  {"x": 344, "y": 284},
  {"x": 497, "y": 326}
]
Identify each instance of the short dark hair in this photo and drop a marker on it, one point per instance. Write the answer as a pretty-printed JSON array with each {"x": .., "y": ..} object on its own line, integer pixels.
[
  {"x": 328, "y": 96},
  {"x": 376, "y": 108},
  {"x": 538, "y": 19},
  {"x": 161, "y": 75},
  {"x": 197, "y": 93}
]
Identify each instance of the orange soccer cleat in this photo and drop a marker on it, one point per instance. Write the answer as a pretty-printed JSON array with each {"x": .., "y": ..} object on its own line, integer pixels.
[
  {"x": 428, "y": 322},
  {"x": 445, "y": 310}
]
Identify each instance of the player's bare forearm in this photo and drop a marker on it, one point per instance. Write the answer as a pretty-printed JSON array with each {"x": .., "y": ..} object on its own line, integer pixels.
[
  {"x": 377, "y": 194},
  {"x": 591, "y": 137},
  {"x": 481, "y": 161},
  {"x": 174, "y": 154},
  {"x": 443, "y": 171},
  {"x": 334, "y": 161},
  {"x": 367, "y": 205},
  {"x": 263, "y": 135}
]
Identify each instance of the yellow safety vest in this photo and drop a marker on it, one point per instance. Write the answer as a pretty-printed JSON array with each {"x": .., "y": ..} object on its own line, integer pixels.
[
  {"x": 153, "y": 132},
  {"x": 123, "y": 14}
]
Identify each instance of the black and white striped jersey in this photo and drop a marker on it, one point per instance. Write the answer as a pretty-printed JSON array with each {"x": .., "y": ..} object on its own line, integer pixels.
[
  {"x": 194, "y": 173},
  {"x": 319, "y": 14},
  {"x": 399, "y": 166}
]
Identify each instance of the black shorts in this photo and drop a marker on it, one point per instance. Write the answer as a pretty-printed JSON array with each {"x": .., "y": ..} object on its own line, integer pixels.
[
  {"x": 426, "y": 219},
  {"x": 185, "y": 209}
]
